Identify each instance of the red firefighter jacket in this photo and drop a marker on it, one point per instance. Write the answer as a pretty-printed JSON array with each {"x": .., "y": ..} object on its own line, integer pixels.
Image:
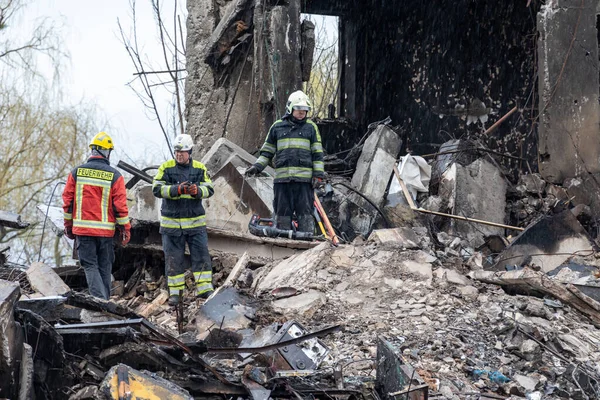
[{"x": 95, "y": 199}]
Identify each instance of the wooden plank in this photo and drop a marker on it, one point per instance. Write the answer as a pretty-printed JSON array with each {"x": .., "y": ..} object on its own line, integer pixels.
[{"x": 237, "y": 270}]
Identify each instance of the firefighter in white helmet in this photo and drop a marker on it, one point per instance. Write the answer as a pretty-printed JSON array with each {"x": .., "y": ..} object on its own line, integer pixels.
[
  {"x": 295, "y": 143},
  {"x": 182, "y": 183}
]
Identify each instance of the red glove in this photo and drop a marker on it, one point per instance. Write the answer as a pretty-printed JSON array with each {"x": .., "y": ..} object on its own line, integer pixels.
[
  {"x": 69, "y": 232},
  {"x": 193, "y": 190},
  {"x": 183, "y": 188},
  {"x": 125, "y": 234}
]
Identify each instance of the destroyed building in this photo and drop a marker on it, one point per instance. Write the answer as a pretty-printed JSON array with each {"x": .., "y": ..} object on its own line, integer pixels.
[{"x": 468, "y": 268}]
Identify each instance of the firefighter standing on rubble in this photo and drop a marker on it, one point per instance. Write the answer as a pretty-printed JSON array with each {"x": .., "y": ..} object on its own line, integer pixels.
[
  {"x": 182, "y": 183},
  {"x": 94, "y": 200},
  {"x": 295, "y": 142}
]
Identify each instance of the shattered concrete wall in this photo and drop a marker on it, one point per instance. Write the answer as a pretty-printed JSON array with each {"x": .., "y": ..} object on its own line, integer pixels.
[
  {"x": 244, "y": 59},
  {"x": 217, "y": 97},
  {"x": 569, "y": 129}
]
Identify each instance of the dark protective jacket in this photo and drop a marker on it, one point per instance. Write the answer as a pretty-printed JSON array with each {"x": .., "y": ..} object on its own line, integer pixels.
[
  {"x": 181, "y": 214},
  {"x": 297, "y": 149},
  {"x": 95, "y": 198}
]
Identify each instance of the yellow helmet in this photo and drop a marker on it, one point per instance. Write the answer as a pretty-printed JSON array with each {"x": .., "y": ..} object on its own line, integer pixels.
[{"x": 102, "y": 141}]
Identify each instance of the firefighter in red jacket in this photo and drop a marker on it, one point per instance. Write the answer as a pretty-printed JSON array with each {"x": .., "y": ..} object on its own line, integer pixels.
[{"x": 94, "y": 201}]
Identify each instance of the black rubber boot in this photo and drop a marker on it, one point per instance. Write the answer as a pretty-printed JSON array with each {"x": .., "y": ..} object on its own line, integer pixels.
[
  {"x": 173, "y": 300},
  {"x": 306, "y": 223}
]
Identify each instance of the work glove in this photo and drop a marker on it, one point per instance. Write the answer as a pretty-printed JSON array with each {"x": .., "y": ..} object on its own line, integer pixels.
[
  {"x": 193, "y": 190},
  {"x": 317, "y": 183},
  {"x": 251, "y": 171},
  {"x": 124, "y": 235},
  {"x": 69, "y": 232},
  {"x": 182, "y": 188}
]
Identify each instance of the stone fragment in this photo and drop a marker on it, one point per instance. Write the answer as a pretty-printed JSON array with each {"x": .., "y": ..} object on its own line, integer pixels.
[
  {"x": 404, "y": 238},
  {"x": 476, "y": 191},
  {"x": 469, "y": 292},
  {"x": 26, "y": 374},
  {"x": 421, "y": 269},
  {"x": 548, "y": 243},
  {"x": 532, "y": 183},
  {"x": 376, "y": 163},
  {"x": 11, "y": 340},
  {"x": 527, "y": 382},
  {"x": 451, "y": 276},
  {"x": 294, "y": 271},
  {"x": 303, "y": 305},
  {"x": 44, "y": 280}
]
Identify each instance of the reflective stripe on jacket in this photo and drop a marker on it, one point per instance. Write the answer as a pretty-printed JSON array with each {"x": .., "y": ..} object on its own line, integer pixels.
[
  {"x": 297, "y": 149},
  {"x": 95, "y": 198},
  {"x": 183, "y": 213}
]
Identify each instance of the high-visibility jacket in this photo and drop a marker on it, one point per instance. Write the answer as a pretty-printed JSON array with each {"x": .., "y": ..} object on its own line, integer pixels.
[
  {"x": 297, "y": 149},
  {"x": 95, "y": 199},
  {"x": 181, "y": 213}
]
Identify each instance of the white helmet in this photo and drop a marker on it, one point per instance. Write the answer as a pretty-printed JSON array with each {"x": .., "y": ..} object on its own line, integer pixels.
[
  {"x": 298, "y": 101},
  {"x": 183, "y": 143}
]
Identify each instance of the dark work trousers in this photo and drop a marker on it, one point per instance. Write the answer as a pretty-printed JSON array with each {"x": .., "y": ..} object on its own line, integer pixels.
[
  {"x": 293, "y": 197},
  {"x": 96, "y": 255},
  {"x": 174, "y": 248}
]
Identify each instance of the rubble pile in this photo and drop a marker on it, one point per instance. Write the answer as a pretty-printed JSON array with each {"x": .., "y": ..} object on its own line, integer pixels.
[
  {"x": 430, "y": 294},
  {"x": 465, "y": 337}
]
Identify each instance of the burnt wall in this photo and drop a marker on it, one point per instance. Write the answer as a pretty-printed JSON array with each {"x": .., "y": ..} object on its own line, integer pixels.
[{"x": 417, "y": 60}]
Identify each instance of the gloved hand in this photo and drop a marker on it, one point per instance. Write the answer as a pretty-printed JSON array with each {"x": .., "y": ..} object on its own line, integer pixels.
[
  {"x": 193, "y": 190},
  {"x": 124, "y": 234},
  {"x": 317, "y": 183},
  {"x": 251, "y": 171},
  {"x": 69, "y": 232},
  {"x": 180, "y": 189}
]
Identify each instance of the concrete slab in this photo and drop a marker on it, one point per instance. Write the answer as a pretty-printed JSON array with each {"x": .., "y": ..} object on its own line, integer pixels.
[
  {"x": 422, "y": 269},
  {"x": 237, "y": 197},
  {"x": 44, "y": 280},
  {"x": 402, "y": 237},
  {"x": 376, "y": 163},
  {"x": 26, "y": 374},
  {"x": 304, "y": 305},
  {"x": 569, "y": 89},
  {"x": 222, "y": 151},
  {"x": 547, "y": 243},
  {"x": 475, "y": 191},
  {"x": 452, "y": 276},
  {"x": 293, "y": 271}
]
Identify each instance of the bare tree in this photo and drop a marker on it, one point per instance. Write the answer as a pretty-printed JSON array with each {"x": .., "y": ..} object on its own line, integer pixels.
[
  {"x": 21, "y": 54},
  {"x": 150, "y": 77},
  {"x": 323, "y": 86},
  {"x": 41, "y": 140}
]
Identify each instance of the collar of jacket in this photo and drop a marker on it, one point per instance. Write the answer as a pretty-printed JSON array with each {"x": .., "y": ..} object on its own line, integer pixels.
[{"x": 99, "y": 158}]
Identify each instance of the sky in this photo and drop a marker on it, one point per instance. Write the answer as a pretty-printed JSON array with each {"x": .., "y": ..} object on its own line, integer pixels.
[{"x": 100, "y": 68}]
